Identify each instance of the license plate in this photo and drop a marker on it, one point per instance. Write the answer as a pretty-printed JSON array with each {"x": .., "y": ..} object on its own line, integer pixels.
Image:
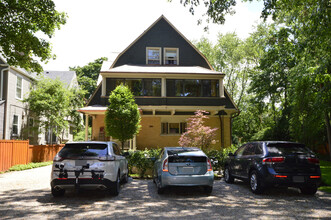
[
  {"x": 188, "y": 169},
  {"x": 80, "y": 162},
  {"x": 298, "y": 179}
]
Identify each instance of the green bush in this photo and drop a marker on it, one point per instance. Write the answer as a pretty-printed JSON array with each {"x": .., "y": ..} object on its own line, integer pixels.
[
  {"x": 141, "y": 159},
  {"x": 220, "y": 156},
  {"x": 20, "y": 167}
]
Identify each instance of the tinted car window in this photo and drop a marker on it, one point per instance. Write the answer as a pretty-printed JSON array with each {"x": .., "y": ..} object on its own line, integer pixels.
[
  {"x": 79, "y": 150},
  {"x": 249, "y": 150},
  {"x": 240, "y": 151},
  {"x": 116, "y": 149},
  {"x": 287, "y": 149},
  {"x": 258, "y": 149}
]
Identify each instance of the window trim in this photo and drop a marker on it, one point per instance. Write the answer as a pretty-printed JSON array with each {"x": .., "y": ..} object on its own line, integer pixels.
[
  {"x": 164, "y": 57},
  {"x": 160, "y": 56},
  {"x": 181, "y": 131},
  {"x": 16, "y": 87}
]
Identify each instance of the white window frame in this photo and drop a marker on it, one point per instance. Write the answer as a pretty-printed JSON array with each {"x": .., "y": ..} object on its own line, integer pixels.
[
  {"x": 165, "y": 53},
  {"x": 18, "y": 122},
  {"x": 21, "y": 87},
  {"x": 154, "y": 48},
  {"x": 30, "y": 132}
]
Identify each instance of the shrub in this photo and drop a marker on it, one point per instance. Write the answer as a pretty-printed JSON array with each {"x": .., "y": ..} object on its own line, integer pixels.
[{"x": 219, "y": 156}]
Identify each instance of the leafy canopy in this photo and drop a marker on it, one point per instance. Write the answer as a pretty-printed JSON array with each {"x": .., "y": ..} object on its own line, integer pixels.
[
  {"x": 55, "y": 105},
  {"x": 87, "y": 75},
  {"x": 21, "y": 24},
  {"x": 122, "y": 119}
]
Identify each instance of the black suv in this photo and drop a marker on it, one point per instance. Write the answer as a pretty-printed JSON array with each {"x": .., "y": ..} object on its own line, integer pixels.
[{"x": 274, "y": 163}]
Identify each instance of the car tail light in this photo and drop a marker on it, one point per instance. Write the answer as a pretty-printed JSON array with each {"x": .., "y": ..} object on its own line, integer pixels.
[
  {"x": 313, "y": 160},
  {"x": 210, "y": 167},
  {"x": 315, "y": 177},
  {"x": 57, "y": 158},
  {"x": 165, "y": 167},
  {"x": 280, "y": 176},
  {"x": 273, "y": 160},
  {"x": 106, "y": 158}
]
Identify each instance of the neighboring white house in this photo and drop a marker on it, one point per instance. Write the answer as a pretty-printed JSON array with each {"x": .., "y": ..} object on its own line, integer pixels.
[{"x": 16, "y": 122}]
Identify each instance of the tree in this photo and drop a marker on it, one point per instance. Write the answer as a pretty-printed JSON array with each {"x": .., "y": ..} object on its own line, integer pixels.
[
  {"x": 55, "y": 105},
  {"x": 21, "y": 22},
  {"x": 122, "y": 119},
  {"x": 197, "y": 134},
  {"x": 87, "y": 75}
]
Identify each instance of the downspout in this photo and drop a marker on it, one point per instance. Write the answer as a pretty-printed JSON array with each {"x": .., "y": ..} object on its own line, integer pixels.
[
  {"x": 1, "y": 98},
  {"x": 232, "y": 117},
  {"x": 221, "y": 131}
]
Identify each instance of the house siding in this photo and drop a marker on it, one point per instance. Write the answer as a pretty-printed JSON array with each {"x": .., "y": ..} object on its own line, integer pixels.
[{"x": 162, "y": 35}]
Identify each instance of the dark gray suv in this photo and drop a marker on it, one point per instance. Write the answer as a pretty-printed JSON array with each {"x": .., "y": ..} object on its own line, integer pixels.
[{"x": 274, "y": 163}]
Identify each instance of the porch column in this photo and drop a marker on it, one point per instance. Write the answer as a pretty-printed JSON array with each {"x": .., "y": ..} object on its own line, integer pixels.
[
  {"x": 103, "y": 87},
  {"x": 221, "y": 88},
  {"x": 86, "y": 127},
  {"x": 134, "y": 143},
  {"x": 163, "y": 87}
]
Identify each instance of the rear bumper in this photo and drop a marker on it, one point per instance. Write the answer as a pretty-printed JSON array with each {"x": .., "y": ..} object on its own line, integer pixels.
[
  {"x": 168, "y": 179},
  {"x": 87, "y": 183}
]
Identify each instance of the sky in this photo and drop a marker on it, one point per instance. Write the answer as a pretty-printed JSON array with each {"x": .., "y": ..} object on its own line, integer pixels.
[{"x": 103, "y": 28}]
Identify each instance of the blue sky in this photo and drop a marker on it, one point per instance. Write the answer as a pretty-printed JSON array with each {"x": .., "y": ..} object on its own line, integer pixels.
[{"x": 105, "y": 27}]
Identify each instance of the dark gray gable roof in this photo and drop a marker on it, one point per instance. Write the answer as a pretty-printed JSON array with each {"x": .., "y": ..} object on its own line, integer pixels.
[
  {"x": 155, "y": 35},
  {"x": 64, "y": 76}
]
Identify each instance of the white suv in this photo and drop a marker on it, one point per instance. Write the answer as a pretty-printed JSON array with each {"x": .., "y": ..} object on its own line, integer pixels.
[{"x": 90, "y": 164}]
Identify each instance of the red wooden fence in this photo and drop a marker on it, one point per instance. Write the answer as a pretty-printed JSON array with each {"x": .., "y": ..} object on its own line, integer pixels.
[{"x": 14, "y": 152}]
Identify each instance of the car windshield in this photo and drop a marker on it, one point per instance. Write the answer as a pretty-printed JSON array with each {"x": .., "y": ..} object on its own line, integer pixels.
[
  {"x": 284, "y": 149},
  {"x": 82, "y": 149}
]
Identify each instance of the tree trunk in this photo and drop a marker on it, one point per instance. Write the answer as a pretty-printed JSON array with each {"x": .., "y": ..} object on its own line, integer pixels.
[
  {"x": 122, "y": 145},
  {"x": 328, "y": 129}
]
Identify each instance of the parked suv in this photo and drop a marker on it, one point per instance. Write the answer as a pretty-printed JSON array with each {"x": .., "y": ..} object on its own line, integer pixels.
[
  {"x": 183, "y": 166},
  {"x": 274, "y": 163},
  {"x": 91, "y": 164}
]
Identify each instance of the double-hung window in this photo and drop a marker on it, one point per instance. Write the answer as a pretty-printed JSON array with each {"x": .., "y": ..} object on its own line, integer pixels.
[
  {"x": 19, "y": 83},
  {"x": 153, "y": 55},
  {"x": 170, "y": 56},
  {"x": 173, "y": 128},
  {"x": 15, "y": 125}
]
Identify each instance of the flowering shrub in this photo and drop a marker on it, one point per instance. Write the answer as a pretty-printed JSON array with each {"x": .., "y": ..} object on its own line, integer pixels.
[{"x": 197, "y": 134}]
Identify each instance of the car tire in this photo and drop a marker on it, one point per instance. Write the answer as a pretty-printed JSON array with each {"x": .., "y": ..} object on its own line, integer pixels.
[
  {"x": 228, "y": 178},
  {"x": 308, "y": 190},
  {"x": 160, "y": 189},
  {"x": 58, "y": 192},
  {"x": 115, "y": 190},
  {"x": 126, "y": 178},
  {"x": 208, "y": 189},
  {"x": 255, "y": 183}
]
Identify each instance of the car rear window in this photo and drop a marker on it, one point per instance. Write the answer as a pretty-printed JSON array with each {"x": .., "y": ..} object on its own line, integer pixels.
[
  {"x": 180, "y": 151},
  {"x": 81, "y": 150},
  {"x": 284, "y": 149},
  {"x": 186, "y": 159}
]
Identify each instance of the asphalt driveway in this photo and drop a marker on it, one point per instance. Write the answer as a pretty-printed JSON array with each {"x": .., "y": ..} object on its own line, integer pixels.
[{"x": 26, "y": 195}]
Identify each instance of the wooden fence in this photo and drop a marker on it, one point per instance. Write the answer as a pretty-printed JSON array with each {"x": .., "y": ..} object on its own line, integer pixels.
[{"x": 14, "y": 152}]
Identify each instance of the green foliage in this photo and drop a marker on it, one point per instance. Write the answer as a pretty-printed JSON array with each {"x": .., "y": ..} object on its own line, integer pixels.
[
  {"x": 220, "y": 156},
  {"x": 80, "y": 136},
  {"x": 20, "y": 21},
  {"x": 87, "y": 75},
  {"x": 55, "y": 105},
  {"x": 20, "y": 167},
  {"x": 326, "y": 172},
  {"x": 122, "y": 120},
  {"x": 142, "y": 160}
]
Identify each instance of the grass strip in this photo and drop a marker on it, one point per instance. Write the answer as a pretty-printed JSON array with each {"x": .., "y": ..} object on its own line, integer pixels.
[
  {"x": 20, "y": 167},
  {"x": 326, "y": 176}
]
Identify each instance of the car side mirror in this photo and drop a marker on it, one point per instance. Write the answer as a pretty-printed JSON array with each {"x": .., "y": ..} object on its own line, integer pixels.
[{"x": 231, "y": 154}]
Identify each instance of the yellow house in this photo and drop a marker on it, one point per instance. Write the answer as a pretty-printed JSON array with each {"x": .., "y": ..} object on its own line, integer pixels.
[{"x": 170, "y": 79}]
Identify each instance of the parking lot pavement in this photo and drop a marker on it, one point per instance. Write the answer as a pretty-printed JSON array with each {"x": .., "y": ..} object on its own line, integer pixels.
[{"x": 26, "y": 194}]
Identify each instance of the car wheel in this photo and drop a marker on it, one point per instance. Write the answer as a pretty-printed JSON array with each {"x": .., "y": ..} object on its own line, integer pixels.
[
  {"x": 208, "y": 189},
  {"x": 126, "y": 178},
  {"x": 116, "y": 186},
  {"x": 309, "y": 190},
  {"x": 228, "y": 178},
  {"x": 255, "y": 183},
  {"x": 160, "y": 189},
  {"x": 57, "y": 192}
]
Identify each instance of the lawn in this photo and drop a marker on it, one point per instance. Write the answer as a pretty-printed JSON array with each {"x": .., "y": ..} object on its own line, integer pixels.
[{"x": 326, "y": 176}]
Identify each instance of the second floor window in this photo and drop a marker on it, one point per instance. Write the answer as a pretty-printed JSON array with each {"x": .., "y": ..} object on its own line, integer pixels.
[
  {"x": 193, "y": 87},
  {"x": 139, "y": 87},
  {"x": 153, "y": 55},
  {"x": 19, "y": 83}
]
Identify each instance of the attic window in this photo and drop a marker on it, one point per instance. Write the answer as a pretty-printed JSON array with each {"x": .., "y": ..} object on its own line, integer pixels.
[
  {"x": 170, "y": 56},
  {"x": 153, "y": 55}
]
